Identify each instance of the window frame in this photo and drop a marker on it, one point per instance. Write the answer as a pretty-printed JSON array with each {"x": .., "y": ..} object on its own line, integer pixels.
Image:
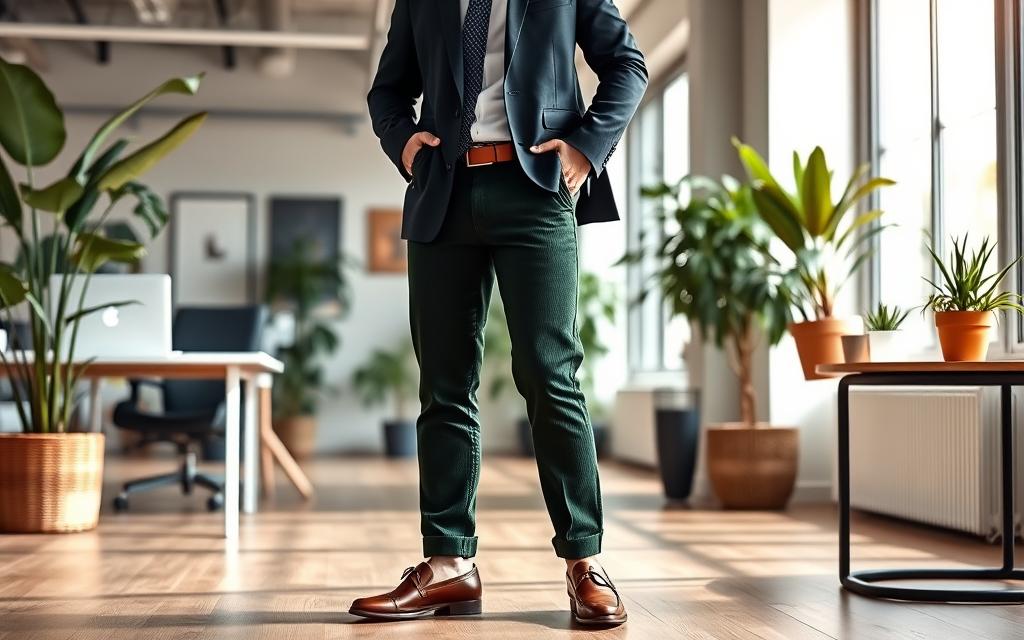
[{"x": 635, "y": 151}]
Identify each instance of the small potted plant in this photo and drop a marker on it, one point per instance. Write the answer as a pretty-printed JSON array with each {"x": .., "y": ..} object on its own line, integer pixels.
[
  {"x": 965, "y": 298},
  {"x": 51, "y": 474},
  {"x": 301, "y": 284},
  {"x": 825, "y": 251},
  {"x": 391, "y": 375},
  {"x": 716, "y": 269},
  {"x": 885, "y": 338}
]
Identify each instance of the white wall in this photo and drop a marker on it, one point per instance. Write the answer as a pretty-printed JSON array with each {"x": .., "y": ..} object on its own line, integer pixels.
[
  {"x": 293, "y": 157},
  {"x": 811, "y": 102}
]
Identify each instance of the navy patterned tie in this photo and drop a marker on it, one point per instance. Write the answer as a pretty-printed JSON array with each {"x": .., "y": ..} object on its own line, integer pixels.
[{"x": 474, "y": 48}]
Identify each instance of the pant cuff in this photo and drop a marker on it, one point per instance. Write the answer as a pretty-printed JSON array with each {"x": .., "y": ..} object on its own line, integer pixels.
[
  {"x": 578, "y": 548},
  {"x": 449, "y": 546}
]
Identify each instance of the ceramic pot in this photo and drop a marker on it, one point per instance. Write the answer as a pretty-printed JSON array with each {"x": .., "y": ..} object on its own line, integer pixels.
[
  {"x": 820, "y": 342},
  {"x": 856, "y": 349},
  {"x": 888, "y": 346},
  {"x": 964, "y": 335}
]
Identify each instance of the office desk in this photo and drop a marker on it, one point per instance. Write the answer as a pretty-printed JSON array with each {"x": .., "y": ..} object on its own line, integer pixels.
[
  {"x": 1004, "y": 374},
  {"x": 254, "y": 369}
]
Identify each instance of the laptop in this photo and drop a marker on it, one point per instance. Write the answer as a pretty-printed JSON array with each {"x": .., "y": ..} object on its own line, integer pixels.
[{"x": 133, "y": 331}]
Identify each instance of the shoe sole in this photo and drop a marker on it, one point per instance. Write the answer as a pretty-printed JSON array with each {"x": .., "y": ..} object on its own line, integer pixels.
[
  {"x": 601, "y": 621},
  {"x": 465, "y": 608}
]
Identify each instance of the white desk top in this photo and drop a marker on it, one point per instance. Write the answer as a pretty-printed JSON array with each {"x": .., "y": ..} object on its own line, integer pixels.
[{"x": 177, "y": 365}]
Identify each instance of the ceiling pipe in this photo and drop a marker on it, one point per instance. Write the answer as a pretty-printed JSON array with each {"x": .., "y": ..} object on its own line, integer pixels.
[
  {"x": 196, "y": 37},
  {"x": 276, "y": 16}
]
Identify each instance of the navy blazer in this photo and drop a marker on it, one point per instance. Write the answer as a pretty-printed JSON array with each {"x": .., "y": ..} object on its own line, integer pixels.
[{"x": 423, "y": 56}]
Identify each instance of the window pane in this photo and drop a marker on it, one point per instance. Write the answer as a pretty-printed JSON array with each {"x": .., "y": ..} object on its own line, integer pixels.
[
  {"x": 904, "y": 71},
  {"x": 676, "y": 106},
  {"x": 970, "y": 199}
]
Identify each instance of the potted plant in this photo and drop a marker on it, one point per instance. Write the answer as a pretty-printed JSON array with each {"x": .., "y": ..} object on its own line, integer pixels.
[
  {"x": 717, "y": 270},
  {"x": 965, "y": 299},
  {"x": 885, "y": 338},
  {"x": 50, "y": 477},
  {"x": 825, "y": 251},
  {"x": 298, "y": 284},
  {"x": 391, "y": 375}
]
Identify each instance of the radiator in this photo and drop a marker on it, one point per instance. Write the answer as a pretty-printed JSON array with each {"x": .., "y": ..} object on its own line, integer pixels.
[{"x": 930, "y": 455}]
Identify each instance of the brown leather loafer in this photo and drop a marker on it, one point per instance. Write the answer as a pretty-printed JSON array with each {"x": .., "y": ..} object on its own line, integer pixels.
[
  {"x": 416, "y": 597},
  {"x": 593, "y": 598}
]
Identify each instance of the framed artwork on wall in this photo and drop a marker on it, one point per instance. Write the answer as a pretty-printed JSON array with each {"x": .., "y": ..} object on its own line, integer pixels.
[
  {"x": 212, "y": 248},
  {"x": 308, "y": 227},
  {"x": 385, "y": 248}
]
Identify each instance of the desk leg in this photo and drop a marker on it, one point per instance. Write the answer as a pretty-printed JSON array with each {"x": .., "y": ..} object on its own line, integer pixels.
[
  {"x": 95, "y": 406},
  {"x": 250, "y": 487},
  {"x": 264, "y": 383},
  {"x": 232, "y": 402}
]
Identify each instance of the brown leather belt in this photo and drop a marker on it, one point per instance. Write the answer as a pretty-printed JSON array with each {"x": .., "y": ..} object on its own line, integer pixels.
[{"x": 483, "y": 154}]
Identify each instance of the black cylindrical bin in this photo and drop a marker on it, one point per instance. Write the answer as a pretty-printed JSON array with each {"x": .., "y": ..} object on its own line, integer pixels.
[{"x": 677, "y": 420}]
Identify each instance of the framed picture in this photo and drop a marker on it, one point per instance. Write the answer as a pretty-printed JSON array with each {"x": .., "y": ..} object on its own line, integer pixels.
[
  {"x": 386, "y": 249},
  {"x": 212, "y": 248},
  {"x": 310, "y": 227}
]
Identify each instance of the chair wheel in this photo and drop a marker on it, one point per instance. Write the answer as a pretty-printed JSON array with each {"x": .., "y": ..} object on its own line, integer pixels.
[
  {"x": 121, "y": 502},
  {"x": 215, "y": 502}
]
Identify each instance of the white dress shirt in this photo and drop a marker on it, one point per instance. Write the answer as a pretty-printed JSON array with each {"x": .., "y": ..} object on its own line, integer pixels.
[{"x": 491, "y": 122}]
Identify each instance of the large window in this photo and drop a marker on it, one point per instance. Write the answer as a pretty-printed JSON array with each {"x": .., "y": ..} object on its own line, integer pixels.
[
  {"x": 658, "y": 146},
  {"x": 934, "y": 130}
]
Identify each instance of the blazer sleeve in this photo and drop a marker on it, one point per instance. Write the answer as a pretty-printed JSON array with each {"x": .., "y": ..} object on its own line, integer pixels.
[
  {"x": 610, "y": 50},
  {"x": 395, "y": 88}
]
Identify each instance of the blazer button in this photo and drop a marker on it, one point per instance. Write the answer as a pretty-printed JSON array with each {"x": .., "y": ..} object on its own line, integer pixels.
[
  {"x": 448, "y": 166},
  {"x": 458, "y": 113}
]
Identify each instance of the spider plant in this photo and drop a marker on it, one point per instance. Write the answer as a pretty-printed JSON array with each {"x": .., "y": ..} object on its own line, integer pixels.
[
  {"x": 885, "y": 318},
  {"x": 827, "y": 251},
  {"x": 964, "y": 285}
]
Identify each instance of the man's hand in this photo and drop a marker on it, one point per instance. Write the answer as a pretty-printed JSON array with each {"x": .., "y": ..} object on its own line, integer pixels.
[
  {"x": 575, "y": 166},
  {"x": 413, "y": 146}
]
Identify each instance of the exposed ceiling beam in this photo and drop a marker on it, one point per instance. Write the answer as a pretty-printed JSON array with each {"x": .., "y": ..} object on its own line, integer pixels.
[
  {"x": 207, "y": 37},
  {"x": 102, "y": 46}
]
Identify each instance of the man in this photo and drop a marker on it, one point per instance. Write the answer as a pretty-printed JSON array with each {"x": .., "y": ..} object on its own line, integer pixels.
[{"x": 502, "y": 164}]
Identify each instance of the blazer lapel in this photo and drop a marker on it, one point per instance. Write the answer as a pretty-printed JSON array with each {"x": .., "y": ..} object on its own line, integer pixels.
[
  {"x": 451, "y": 30},
  {"x": 513, "y": 27}
]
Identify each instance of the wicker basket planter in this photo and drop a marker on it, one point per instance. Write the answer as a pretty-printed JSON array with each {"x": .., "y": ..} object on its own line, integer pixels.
[{"x": 50, "y": 483}]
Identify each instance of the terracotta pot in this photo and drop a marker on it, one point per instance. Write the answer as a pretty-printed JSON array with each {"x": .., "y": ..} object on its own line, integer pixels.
[
  {"x": 50, "y": 483},
  {"x": 856, "y": 349},
  {"x": 298, "y": 433},
  {"x": 752, "y": 468},
  {"x": 964, "y": 335},
  {"x": 820, "y": 342}
]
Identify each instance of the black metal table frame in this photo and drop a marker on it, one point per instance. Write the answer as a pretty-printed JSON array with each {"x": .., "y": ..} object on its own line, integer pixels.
[{"x": 864, "y": 582}]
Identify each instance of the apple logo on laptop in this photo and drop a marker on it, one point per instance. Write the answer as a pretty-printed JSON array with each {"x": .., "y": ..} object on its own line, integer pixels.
[{"x": 110, "y": 317}]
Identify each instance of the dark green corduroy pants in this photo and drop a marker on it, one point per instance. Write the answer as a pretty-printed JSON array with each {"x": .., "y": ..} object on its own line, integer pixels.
[{"x": 500, "y": 225}]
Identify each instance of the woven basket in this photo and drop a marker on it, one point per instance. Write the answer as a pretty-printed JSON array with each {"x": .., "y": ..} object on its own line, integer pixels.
[{"x": 50, "y": 483}]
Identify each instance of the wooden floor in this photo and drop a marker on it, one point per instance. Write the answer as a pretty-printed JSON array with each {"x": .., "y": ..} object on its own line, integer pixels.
[{"x": 161, "y": 571}]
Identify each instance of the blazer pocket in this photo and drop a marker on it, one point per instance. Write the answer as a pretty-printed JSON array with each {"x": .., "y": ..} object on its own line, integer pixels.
[
  {"x": 417, "y": 164},
  {"x": 541, "y": 5},
  {"x": 560, "y": 119}
]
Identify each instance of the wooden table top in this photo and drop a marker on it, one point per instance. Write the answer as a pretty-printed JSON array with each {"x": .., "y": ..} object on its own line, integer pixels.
[{"x": 989, "y": 366}]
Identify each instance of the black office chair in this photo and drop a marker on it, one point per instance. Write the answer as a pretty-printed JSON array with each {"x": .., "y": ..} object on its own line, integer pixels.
[{"x": 193, "y": 410}]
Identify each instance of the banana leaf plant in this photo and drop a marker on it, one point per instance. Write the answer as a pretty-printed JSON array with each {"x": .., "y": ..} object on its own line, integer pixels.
[
  {"x": 827, "y": 251},
  {"x": 73, "y": 208},
  {"x": 716, "y": 269}
]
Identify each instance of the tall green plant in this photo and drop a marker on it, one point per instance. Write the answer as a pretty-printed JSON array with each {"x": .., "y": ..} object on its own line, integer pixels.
[
  {"x": 716, "y": 269},
  {"x": 298, "y": 282},
  {"x": 32, "y": 134},
  {"x": 826, "y": 251}
]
